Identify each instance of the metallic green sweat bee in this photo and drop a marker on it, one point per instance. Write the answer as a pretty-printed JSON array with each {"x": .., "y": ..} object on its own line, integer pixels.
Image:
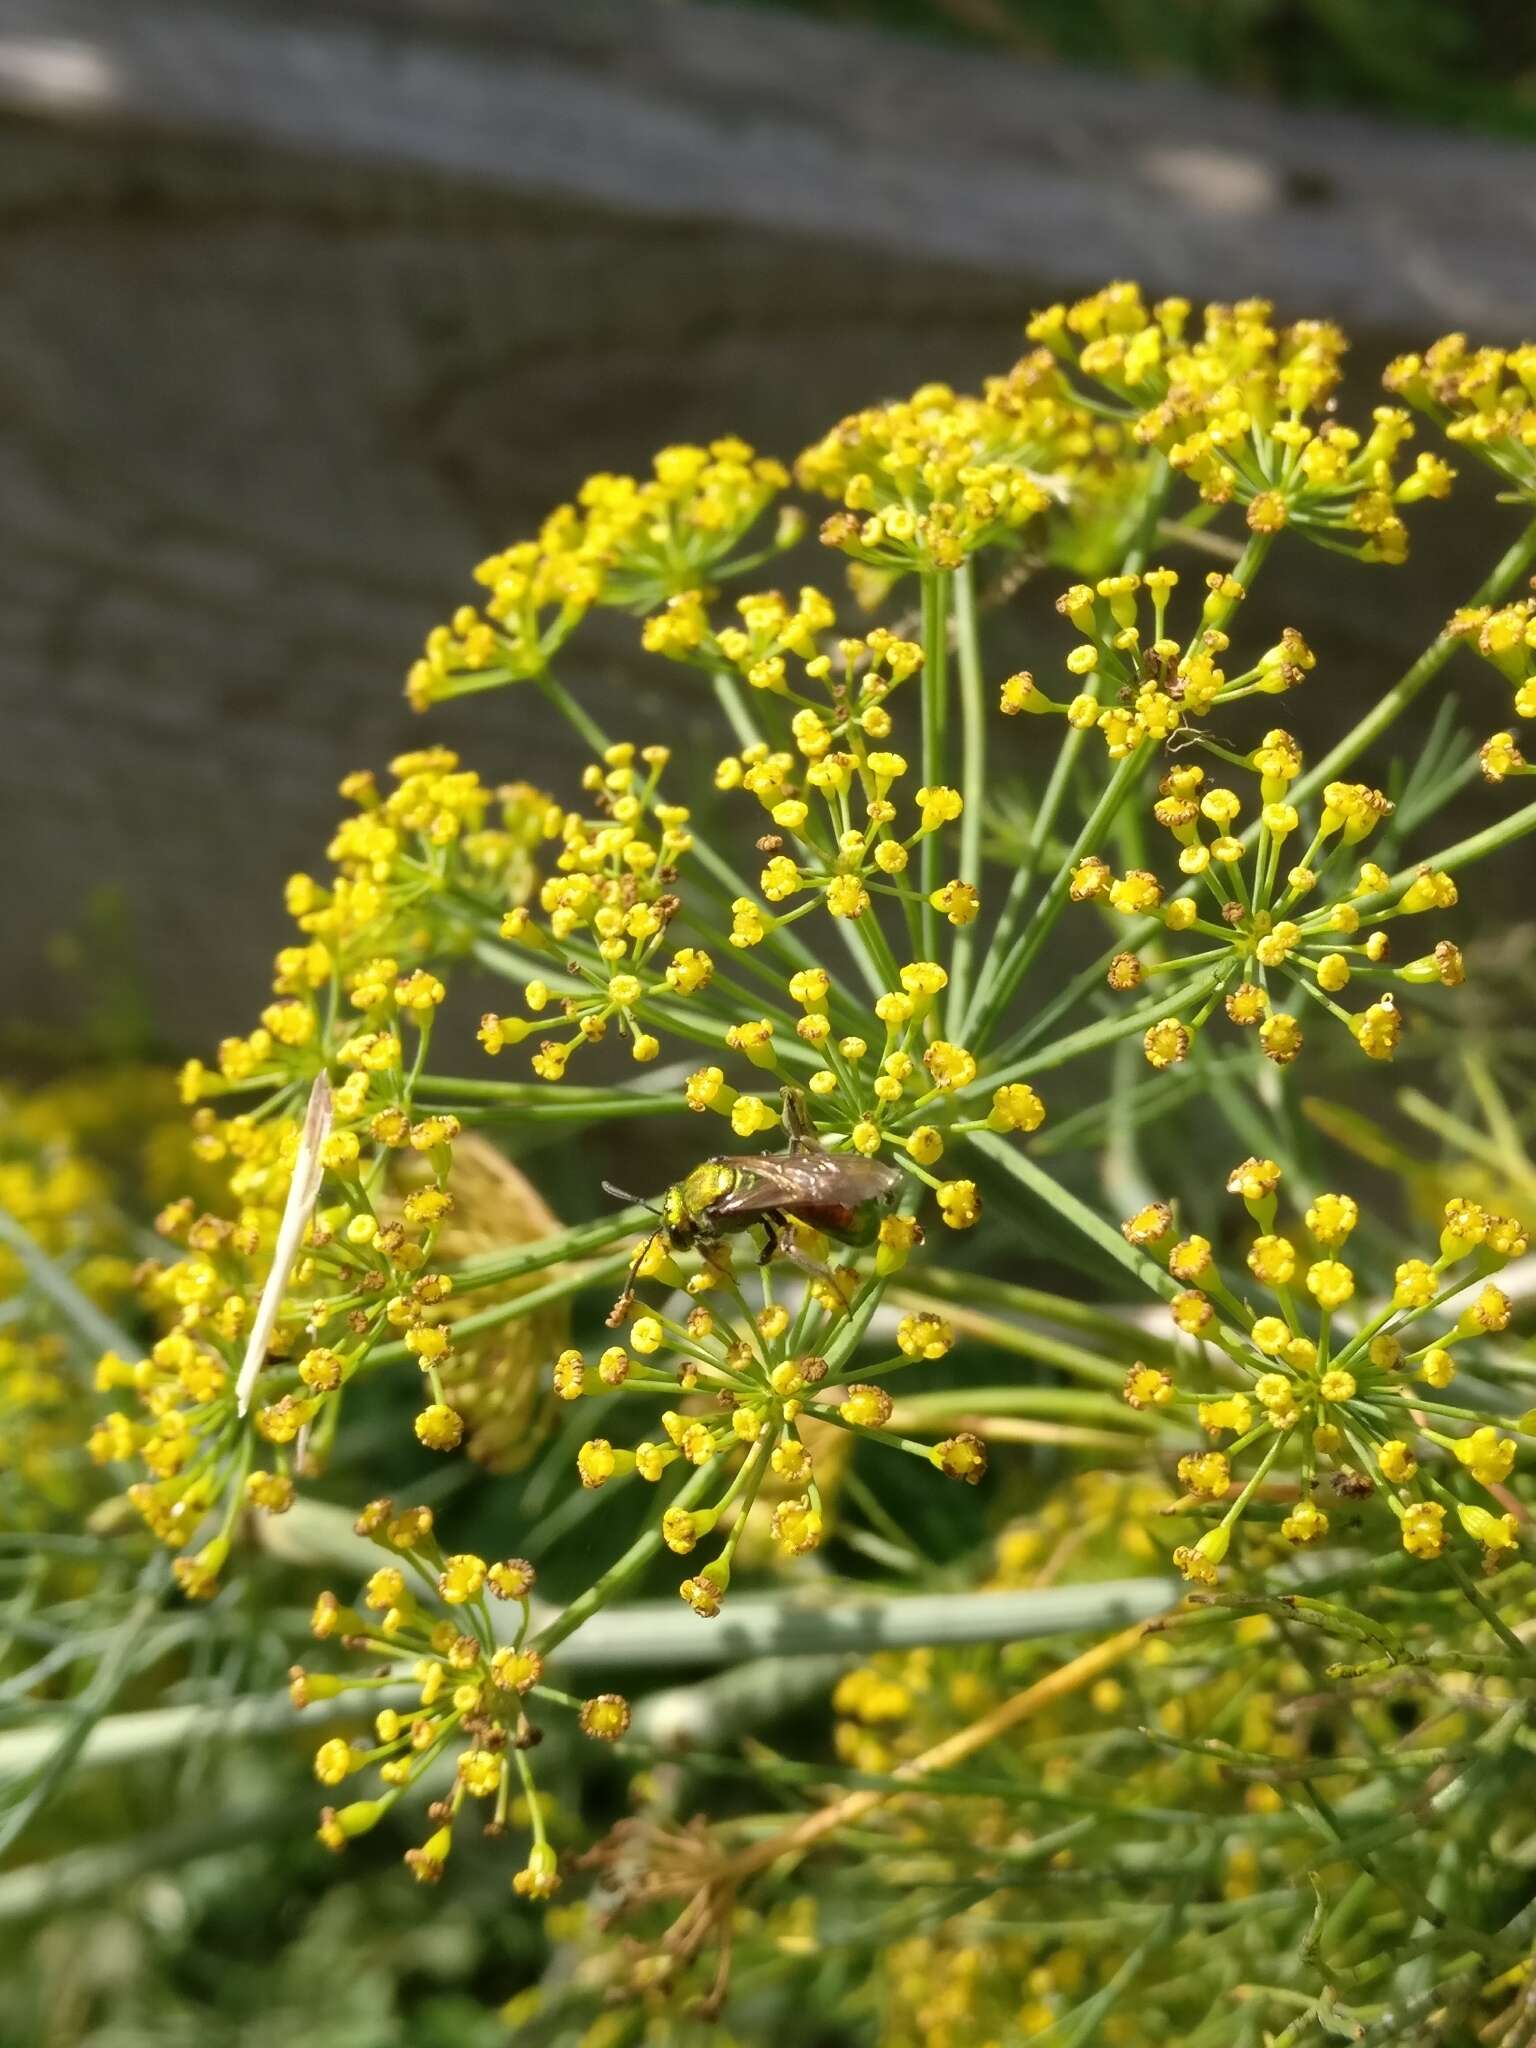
[{"x": 840, "y": 1194}]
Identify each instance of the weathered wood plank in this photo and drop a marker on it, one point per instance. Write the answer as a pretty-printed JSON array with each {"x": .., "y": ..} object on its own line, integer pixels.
[{"x": 712, "y": 113}]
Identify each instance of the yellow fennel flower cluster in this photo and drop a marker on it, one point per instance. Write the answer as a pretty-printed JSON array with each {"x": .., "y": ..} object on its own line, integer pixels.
[
  {"x": 1482, "y": 399},
  {"x": 1137, "y": 686},
  {"x": 772, "y": 635},
  {"x": 859, "y": 947},
  {"x": 743, "y": 1391},
  {"x": 626, "y": 541},
  {"x": 928, "y": 481},
  {"x": 842, "y": 806},
  {"x": 60, "y": 1196},
  {"x": 453, "y": 1676},
  {"x": 1332, "y": 1395},
  {"x": 360, "y": 1293},
  {"x": 1270, "y": 910},
  {"x": 1505, "y": 636},
  {"x": 605, "y": 916},
  {"x": 414, "y": 866},
  {"x": 911, "y": 1099},
  {"x": 1243, "y": 409}
]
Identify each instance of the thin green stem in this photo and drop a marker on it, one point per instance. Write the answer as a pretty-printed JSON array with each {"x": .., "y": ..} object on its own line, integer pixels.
[
  {"x": 580, "y": 720},
  {"x": 489, "y": 1269},
  {"x": 1492, "y": 839},
  {"x": 1024, "y": 876},
  {"x": 935, "y": 719},
  {"x": 933, "y": 1286},
  {"x": 509, "y": 1311},
  {"x": 1060, "y": 1201},
  {"x": 973, "y": 770},
  {"x": 1093, "y": 1037},
  {"x": 1042, "y": 920},
  {"x": 628, "y": 1568},
  {"x": 92, "y": 1324}
]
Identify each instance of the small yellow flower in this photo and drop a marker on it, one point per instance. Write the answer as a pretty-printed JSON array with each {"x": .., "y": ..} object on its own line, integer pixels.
[
  {"x": 1232, "y": 1412},
  {"x": 1272, "y": 1260},
  {"x": 1090, "y": 878},
  {"x": 605, "y": 1717},
  {"x": 440, "y": 1427},
  {"x": 461, "y": 1578},
  {"x": 867, "y": 1407},
  {"x": 1166, "y": 1043},
  {"x": 480, "y": 1772},
  {"x": 1206, "y": 1472},
  {"x": 959, "y": 1203},
  {"x": 1016, "y": 1107},
  {"x": 1331, "y": 1218},
  {"x": 1423, "y": 1529},
  {"x": 1147, "y": 1387},
  {"x": 1396, "y": 1461},
  {"x": 1192, "y": 1311},
  {"x": 1330, "y": 1283},
  {"x": 1198, "y": 1562},
  {"x": 958, "y": 901},
  {"x": 1190, "y": 1259},
  {"x": 924, "y": 1336},
  {"x": 1149, "y": 1226},
  {"x": 961, "y": 1457},
  {"x": 1494, "y": 1532},
  {"x": 1306, "y": 1523},
  {"x": 1486, "y": 1455}
]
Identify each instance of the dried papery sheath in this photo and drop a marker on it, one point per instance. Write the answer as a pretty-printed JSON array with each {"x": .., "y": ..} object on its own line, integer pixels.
[{"x": 303, "y": 1192}]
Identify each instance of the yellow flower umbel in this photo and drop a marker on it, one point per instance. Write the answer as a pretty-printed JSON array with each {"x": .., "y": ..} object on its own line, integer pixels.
[
  {"x": 356, "y": 1000},
  {"x": 1506, "y": 638},
  {"x": 848, "y": 828},
  {"x": 602, "y": 921},
  {"x": 625, "y": 542},
  {"x": 928, "y": 481},
  {"x": 1243, "y": 409},
  {"x": 361, "y": 1292},
  {"x": 1274, "y": 922},
  {"x": 409, "y": 863},
  {"x": 62, "y": 1148},
  {"x": 1326, "y": 1396},
  {"x": 1483, "y": 399},
  {"x": 1137, "y": 685},
  {"x": 453, "y": 1680},
  {"x": 748, "y": 1397}
]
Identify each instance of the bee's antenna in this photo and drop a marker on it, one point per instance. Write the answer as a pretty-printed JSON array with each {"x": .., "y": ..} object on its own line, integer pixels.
[{"x": 623, "y": 1195}]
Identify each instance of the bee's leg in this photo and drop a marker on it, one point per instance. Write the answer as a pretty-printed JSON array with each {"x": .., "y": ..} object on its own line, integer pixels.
[
  {"x": 784, "y": 1245},
  {"x": 775, "y": 1237},
  {"x": 797, "y": 1121}
]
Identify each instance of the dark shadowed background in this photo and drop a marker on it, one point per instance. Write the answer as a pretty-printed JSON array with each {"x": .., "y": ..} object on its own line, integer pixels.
[{"x": 304, "y": 308}]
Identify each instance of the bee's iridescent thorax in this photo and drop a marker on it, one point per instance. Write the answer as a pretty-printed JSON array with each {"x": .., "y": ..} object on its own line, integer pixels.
[{"x": 685, "y": 1206}]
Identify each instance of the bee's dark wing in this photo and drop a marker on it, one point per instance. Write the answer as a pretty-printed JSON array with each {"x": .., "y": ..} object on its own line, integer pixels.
[{"x": 807, "y": 1180}]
